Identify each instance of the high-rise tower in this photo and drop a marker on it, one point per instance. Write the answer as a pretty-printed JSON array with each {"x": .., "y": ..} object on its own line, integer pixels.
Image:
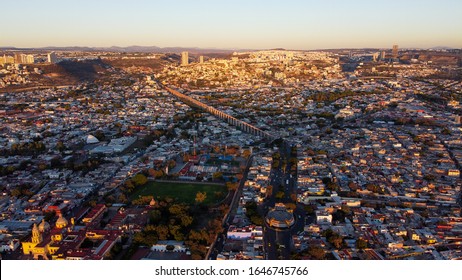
[
  {"x": 382, "y": 55},
  {"x": 52, "y": 58},
  {"x": 184, "y": 58},
  {"x": 394, "y": 52}
]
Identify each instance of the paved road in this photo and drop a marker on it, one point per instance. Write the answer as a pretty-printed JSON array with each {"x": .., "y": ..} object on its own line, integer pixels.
[
  {"x": 218, "y": 244},
  {"x": 278, "y": 243}
]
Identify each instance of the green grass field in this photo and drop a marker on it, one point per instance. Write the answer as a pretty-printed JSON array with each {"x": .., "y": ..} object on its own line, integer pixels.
[{"x": 183, "y": 192}]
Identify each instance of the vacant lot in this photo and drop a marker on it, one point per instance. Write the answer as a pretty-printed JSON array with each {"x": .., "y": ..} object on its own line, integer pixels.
[{"x": 183, "y": 192}]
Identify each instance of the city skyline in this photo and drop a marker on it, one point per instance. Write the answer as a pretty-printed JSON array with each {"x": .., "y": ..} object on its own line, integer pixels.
[{"x": 299, "y": 25}]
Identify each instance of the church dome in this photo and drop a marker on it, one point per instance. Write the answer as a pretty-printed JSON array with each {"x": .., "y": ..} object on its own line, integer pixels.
[
  {"x": 61, "y": 222},
  {"x": 44, "y": 226}
]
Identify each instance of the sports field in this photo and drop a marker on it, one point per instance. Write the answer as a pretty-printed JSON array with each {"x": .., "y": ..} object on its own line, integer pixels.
[{"x": 183, "y": 192}]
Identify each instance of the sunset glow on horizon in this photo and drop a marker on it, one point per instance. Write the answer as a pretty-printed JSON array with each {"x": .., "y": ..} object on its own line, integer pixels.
[{"x": 237, "y": 24}]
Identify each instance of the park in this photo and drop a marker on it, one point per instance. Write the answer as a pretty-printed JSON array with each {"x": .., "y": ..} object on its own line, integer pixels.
[{"x": 184, "y": 192}]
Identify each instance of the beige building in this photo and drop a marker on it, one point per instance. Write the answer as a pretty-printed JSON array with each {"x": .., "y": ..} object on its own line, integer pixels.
[
  {"x": 6, "y": 59},
  {"x": 184, "y": 59}
]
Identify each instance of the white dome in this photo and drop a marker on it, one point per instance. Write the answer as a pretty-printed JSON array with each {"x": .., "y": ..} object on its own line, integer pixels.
[{"x": 92, "y": 139}]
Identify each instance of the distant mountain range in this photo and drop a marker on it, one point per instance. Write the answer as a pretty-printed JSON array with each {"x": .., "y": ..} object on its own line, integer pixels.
[
  {"x": 442, "y": 48},
  {"x": 129, "y": 49},
  {"x": 155, "y": 49}
]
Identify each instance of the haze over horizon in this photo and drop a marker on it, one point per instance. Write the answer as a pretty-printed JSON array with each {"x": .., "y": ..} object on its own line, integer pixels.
[{"x": 300, "y": 25}]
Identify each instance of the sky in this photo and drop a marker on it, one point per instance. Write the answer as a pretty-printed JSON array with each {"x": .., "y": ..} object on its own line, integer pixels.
[{"x": 232, "y": 24}]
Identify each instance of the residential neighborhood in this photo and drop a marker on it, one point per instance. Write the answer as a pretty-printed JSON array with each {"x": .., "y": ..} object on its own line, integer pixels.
[{"x": 341, "y": 164}]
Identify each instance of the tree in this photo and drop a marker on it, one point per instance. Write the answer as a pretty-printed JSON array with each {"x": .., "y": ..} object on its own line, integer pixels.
[
  {"x": 42, "y": 166},
  {"x": 276, "y": 155},
  {"x": 269, "y": 190},
  {"x": 361, "y": 244},
  {"x": 219, "y": 195},
  {"x": 326, "y": 180},
  {"x": 217, "y": 175},
  {"x": 99, "y": 135},
  {"x": 186, "y": 220},
  {"x": 60, "y": 146},
  {"x": 336, "y": 240},
  {"x": 309, "y": 209},
  {"x": 171, "y": 164},
  {"x": 177, "y": 209},
  {"x": 316, "y": 252},
  {"x": 284, "y": 165},
  {"x": 333, "y": 186},
  {"x": 156, "y": 173},
  {"x": 129, "y": 185},
  {"x": 200, "y": 197},
  {"x": 139, "y": 179},
  {"x": 446, "y": 131},
  {"x": 145, "y": 239},
  {"x": 214, "y": 227},
  {"x": 339, "y": 216},
  {"x": 216, "y": 149},
  {"x": 257, "y": 220},
  {"x": 346, "y": 209},
  {"x": 197, "y": 237},
  {"x": 251, "y": 208},
  {"x": 429, "y": 177},
  {"x": 92, "y": 203},
  {"x": 109, "y": 199},
  {"x": 374, "y": 188},
  {"x": 155, "y": 216},
  {"x": 49, "y": 215},
  {"x": 291, "y": 206},
  {"x": 279, "y": 195},
  {"x": 162, "y": 231},
  {"x": 353, "y": 186},
  {"x": 232, "y": 186},
  {"x": 246, "y": 153},
  {"x": 15, "y": 192},
  {"x": 122, "y": 198},
  {"x": 175, "y": 232},
  {"x": 148, "y": 139},
  {"x": 143, "y": 200}
]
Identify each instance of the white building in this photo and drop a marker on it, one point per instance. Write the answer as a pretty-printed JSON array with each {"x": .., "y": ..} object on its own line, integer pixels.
[
  {"x": 323, "y": 217},
  {"x": 9, "y": 246},
  {"x": 29, "y": 59},
  {"x": 52, "y": 58},
  {"x": 169, "y": 246}
]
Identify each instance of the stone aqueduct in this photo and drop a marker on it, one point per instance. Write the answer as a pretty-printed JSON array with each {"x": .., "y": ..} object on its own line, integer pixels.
[{"x": 245, "y": 127}]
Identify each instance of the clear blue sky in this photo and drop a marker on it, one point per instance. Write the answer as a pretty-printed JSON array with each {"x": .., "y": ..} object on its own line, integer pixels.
[{"x": 291, "y": 24}]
